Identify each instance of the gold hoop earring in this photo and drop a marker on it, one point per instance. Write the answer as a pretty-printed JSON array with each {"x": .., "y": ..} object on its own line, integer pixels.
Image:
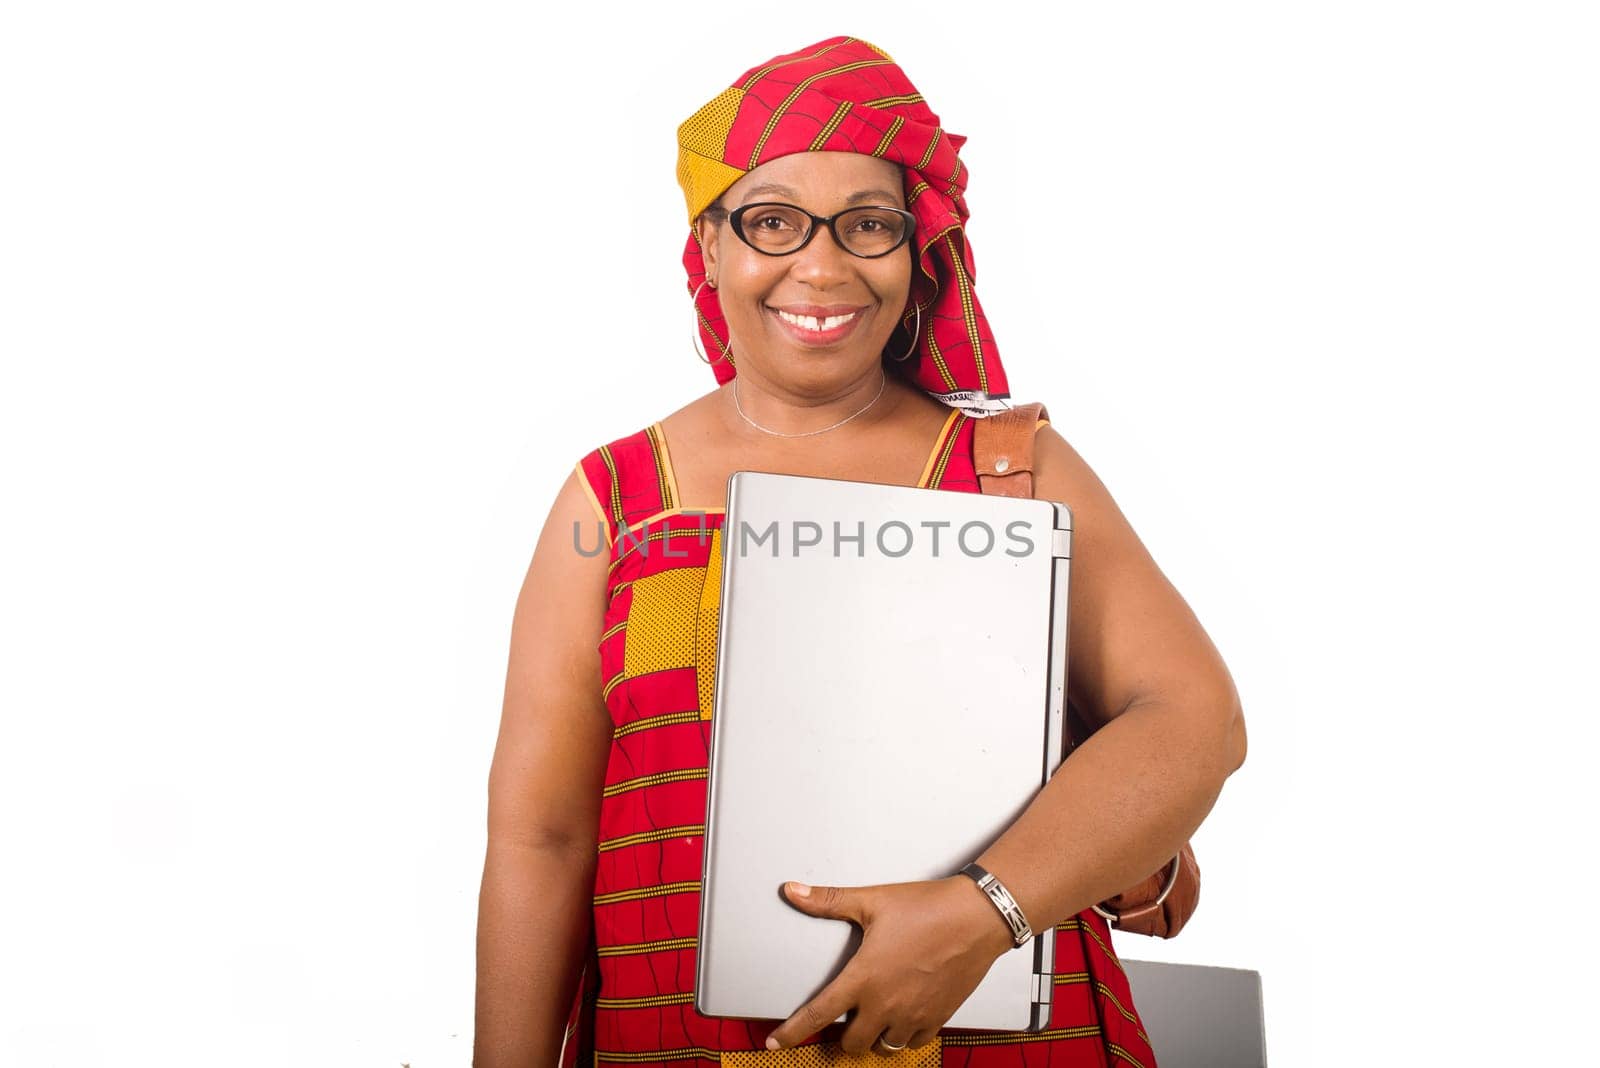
[
  {"x": 699, "y": 350},
  {"x": 914, "y": 330}
]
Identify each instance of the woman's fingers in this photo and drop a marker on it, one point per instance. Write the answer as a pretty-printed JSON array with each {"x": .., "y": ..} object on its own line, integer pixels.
[
  {"x": 894, "y": 1035},
  {"x": 903, "y": 979},
  {"x": 831, "y": 1002},
  {"x": 864, "y": 1028}
]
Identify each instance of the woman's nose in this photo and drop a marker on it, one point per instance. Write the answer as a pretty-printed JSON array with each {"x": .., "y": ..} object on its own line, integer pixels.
[{"x": 823, "y": 260}]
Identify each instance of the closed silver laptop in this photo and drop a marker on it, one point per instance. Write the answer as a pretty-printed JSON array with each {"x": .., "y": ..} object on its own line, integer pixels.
[
  {"x": 1200, "y": 1016},
  {"x": 889, "y": 694}
]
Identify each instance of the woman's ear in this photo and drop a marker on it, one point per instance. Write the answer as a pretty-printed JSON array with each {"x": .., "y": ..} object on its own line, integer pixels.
[{"x": 706, "y": 232}]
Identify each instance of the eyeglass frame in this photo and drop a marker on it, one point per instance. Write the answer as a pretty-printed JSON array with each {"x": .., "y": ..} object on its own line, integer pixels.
[{"x": 736, "y": 218}]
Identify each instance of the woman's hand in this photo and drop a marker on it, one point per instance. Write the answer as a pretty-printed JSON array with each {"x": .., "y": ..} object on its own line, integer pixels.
[{"x": 925, "y": 947}]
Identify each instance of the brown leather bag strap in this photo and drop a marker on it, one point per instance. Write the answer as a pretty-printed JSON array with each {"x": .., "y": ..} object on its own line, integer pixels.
[{"x": 1002, "y": 450}]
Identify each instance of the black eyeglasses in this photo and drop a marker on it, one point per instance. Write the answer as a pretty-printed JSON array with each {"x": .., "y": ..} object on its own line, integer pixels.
[{"x": 780, "y": 229}]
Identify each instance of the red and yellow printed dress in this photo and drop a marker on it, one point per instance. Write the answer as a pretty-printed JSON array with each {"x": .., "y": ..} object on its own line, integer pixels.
[{"x": 657, "y": 652}]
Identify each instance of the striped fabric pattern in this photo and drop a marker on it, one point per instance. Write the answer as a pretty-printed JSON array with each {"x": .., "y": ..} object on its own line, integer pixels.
[{"x": 657, "y": 653}]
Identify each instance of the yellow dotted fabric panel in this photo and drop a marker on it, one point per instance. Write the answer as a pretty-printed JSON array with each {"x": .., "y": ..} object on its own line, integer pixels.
[
  {"x": 830, "y": 1054},
  {"x": 702, "y": 140},
  {"x": 706, "y": 629},
  {"x": 660, "y": 634}
]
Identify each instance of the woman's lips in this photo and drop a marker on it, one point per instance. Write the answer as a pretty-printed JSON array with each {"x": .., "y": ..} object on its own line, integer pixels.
[{"x": 817, "y": 338}]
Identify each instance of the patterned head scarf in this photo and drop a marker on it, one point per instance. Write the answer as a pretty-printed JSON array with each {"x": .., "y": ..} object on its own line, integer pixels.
[{"x": 845, "y": 95}]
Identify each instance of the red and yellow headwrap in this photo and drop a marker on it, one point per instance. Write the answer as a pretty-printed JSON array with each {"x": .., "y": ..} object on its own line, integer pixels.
[{"x": 845, "y": 95}]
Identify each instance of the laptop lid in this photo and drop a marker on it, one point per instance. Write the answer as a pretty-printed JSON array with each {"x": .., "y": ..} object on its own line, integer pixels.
[
  {"x": 1200, "y": 1016},
  {"x": 889, "y": 693}
]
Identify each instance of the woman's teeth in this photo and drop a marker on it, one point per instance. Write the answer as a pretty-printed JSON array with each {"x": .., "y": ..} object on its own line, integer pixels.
[{"x": 810, "y": 321}]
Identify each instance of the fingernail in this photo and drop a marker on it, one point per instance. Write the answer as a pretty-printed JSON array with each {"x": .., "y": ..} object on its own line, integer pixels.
[
  {"x": 800, "y": 889},
  {"x": 772, "y": 1043}
]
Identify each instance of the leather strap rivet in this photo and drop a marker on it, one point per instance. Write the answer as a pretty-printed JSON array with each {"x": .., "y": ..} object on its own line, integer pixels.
[{"x": 1001, "y": 464}]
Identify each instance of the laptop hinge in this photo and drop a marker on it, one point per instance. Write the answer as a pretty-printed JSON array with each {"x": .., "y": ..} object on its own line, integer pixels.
[{"x": 1061, "y": 544}]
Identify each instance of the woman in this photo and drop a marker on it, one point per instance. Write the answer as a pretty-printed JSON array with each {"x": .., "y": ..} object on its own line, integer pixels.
[{"x": 833, "y": 292}]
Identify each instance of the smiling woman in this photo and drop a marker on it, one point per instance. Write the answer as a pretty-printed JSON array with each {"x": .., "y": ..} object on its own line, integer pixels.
[{"x": 834, "y": 299}]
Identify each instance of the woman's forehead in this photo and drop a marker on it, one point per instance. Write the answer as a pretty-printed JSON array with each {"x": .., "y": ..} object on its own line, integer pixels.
[{"x": 823, "y": 176}]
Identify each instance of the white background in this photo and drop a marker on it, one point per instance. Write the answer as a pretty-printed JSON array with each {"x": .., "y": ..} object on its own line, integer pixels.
[{"x": 308, "y": 309}]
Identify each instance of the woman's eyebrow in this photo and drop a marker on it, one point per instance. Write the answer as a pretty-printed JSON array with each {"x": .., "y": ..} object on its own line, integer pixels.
[{"x": 783, "y": 190}]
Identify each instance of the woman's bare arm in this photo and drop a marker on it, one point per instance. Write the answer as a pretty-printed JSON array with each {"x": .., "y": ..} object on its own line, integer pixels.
[
  {"x": 1140, "y": 663},
  {"x": 545, "y": 785}
]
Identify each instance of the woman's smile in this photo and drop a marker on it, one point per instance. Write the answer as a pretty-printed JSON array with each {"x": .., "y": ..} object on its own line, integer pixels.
[{"x": 814, "y": 326}]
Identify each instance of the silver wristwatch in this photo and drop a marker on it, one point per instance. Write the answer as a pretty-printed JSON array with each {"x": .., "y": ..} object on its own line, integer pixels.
[{"x": 1020, "y": 931}]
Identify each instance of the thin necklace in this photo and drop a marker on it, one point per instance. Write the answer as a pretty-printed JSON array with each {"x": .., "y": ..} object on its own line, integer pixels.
[{"x": 808, "y": 433}]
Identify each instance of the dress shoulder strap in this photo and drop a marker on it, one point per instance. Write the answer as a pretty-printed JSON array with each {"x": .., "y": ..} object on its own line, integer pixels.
[
  {"x": 1002, "y": 449},
  {"x": 629, "y": 480}
]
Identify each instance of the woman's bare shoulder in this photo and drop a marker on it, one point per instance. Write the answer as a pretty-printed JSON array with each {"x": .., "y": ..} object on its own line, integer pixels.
[
  {"x": 695, "y": 419},
  {"x": 1059, "y": 471}
]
